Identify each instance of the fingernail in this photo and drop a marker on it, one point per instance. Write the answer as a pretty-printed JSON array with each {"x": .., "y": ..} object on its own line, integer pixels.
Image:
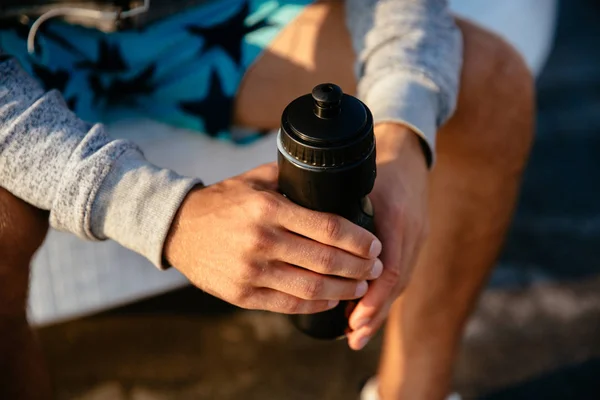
[
  {"x": 361, "y": 289},
  {"x": 332, "y": 303},
  {"x": 363, "y": 342},
  {"x": 377, "y": 269},
  {"x": 360, "y": 323},
  {"x": 375, "y": 249}
]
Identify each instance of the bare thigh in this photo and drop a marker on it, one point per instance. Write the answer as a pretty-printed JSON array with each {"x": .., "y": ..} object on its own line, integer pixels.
[{"x": 313, "y": 49}]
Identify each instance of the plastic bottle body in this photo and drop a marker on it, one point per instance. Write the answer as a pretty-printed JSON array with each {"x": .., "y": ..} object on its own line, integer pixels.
[
  {"x": 326, "y": 157},
  {"x": 333, "y": 190}
]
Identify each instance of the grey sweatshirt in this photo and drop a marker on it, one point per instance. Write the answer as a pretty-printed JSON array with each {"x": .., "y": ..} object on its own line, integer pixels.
[{"x": 409, "y": 58}]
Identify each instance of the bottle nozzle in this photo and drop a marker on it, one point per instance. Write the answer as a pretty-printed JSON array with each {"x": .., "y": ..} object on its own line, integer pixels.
[{"x": 327, "y": 100}]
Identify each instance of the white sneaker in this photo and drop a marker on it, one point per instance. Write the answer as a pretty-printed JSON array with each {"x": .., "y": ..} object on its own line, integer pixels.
[{"x": 371, "y": 391}]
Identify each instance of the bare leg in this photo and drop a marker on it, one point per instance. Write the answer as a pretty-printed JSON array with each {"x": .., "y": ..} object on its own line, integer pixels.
[
  {"x": 481, "y": 155},
  {"x": 22, "y": 231}
]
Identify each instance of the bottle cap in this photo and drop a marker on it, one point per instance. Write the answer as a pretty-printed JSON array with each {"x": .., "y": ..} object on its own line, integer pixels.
[{"x": 327, "y": 128}]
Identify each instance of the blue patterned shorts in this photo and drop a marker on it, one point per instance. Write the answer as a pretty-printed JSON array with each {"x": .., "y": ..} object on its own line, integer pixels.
[{"x": 184, "y": 70}]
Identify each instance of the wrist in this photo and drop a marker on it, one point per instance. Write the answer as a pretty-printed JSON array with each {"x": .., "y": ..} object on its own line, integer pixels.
[
  {"x": 397, "y": 141},
  {"x": 173, "y": 251}
]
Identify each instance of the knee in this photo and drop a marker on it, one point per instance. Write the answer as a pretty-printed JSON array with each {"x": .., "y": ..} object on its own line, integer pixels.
[
  {"x": 494, "y": 74},
  {"x": 22, "y": 231},
  {"x": 495, "y": 109}
]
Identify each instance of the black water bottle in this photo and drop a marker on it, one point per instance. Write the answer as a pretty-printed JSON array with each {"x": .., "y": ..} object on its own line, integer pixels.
[{"x": 326, "y": 157}]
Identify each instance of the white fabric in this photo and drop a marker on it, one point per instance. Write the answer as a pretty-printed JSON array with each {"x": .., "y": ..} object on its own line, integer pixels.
[
  {"x": 527, "y": 24},
  {"x": 73, "y": 278}
]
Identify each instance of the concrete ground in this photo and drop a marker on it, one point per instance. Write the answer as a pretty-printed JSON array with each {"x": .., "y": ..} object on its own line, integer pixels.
[
  {"x": 189, "y": 346},
  {"x": 534, "y": 334}
]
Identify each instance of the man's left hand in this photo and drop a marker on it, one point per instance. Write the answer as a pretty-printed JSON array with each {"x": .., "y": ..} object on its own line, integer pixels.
[{"x": 400, "y": 203}]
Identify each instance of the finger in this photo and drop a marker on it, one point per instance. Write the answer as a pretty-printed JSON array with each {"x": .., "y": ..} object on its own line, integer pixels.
[
  {"x": 283, "y": 303},
  {"x": 369, "y": 310},
  {"x": 327, "y": 260},
  {"x": 380, "y": 290},
  {"x": 329, "y": 229},
  {"x": 357, "y": 340},
  {"x": 309, "y": 285},
  {"x": 371, "y": 318}
]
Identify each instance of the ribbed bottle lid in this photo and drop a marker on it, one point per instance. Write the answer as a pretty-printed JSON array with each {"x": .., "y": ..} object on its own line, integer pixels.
[{"x": 327, "y": 128}]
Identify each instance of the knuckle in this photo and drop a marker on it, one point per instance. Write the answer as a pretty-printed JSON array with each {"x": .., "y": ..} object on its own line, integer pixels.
[
  {"x": 327, "y": 260},
  {"x": 313, "y": 288},
  {"x": 391, "y": 277},
  {"x": 362, "y": 270},
  {"x": 261, "y": 240},
  {"x": 398, "y": 213},
  {"x": 333, "y": 227},
  {"x": 241, "y": 296},
  {"x": 249, "y": 272},
  {"x": 292, "y": 305},
  {"x": 271, "y": 168},
  {"x": 264, "y": 204}
]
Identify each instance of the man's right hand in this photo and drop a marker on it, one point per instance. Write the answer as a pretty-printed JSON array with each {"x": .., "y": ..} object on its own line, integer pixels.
[{"x": 245, "y": 243}]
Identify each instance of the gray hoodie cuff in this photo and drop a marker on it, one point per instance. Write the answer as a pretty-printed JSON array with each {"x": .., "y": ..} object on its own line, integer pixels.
[
  {"x": 412, "y": 102},
  {"x": 136, "y": 204}
]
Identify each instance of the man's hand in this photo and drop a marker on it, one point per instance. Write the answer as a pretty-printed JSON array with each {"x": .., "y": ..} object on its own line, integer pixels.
[
  {"x": 400, "y": 201},
  {"x": 241, "y": 241}
]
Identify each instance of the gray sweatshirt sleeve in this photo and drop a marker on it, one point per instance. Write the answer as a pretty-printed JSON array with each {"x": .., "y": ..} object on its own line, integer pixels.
[
  {"x": 409, "y": 56},
  {"x": 100, "y": 188},
  {"x": 94, "y": 186}
]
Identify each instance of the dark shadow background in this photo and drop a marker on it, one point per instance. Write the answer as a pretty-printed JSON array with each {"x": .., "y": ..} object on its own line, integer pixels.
[
  {"x": 543, "y": 297},
  {"x": 556, "y": 234}
]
